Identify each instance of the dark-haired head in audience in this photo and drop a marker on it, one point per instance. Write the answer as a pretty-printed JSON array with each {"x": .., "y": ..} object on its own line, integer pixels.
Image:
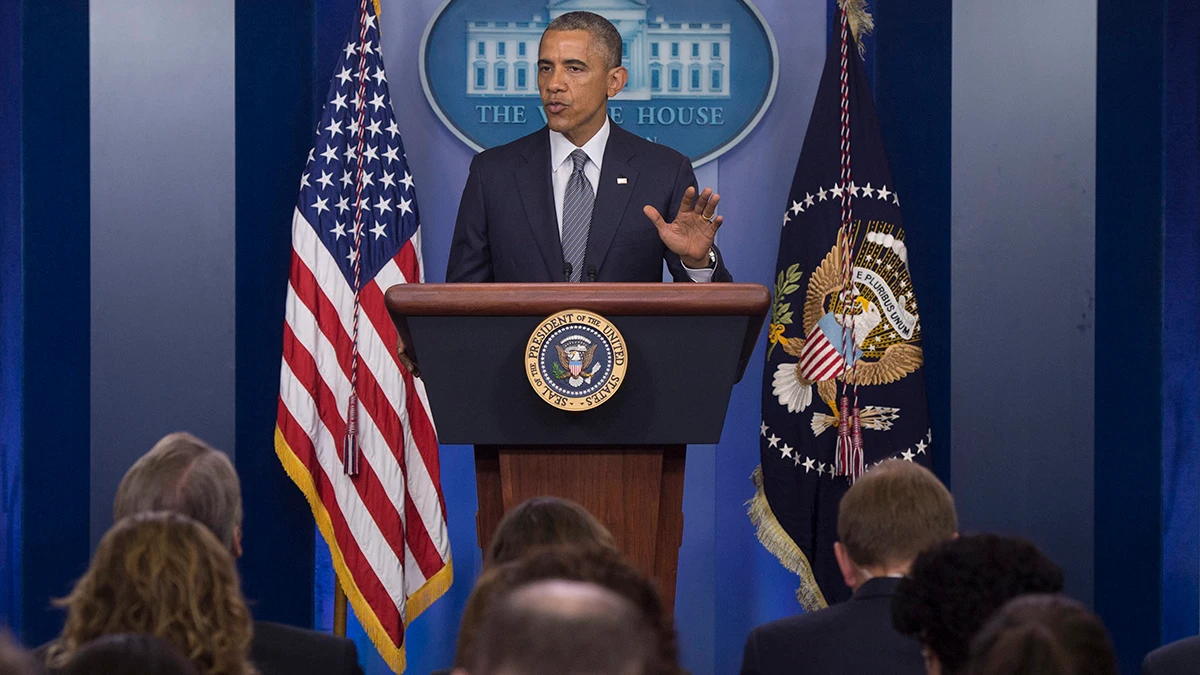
[
  {"x": 129, "y": 654},
  {"x": 558, "y": 627},
  {"x": 1043, "y": 635},
  {"x": 13, "y": 659},
  {"x": 955, "y": 587},
  {"x": 604, "y": 567},
  {"x": 161, "y": 574},
  {"x": 544, "y": 521}
]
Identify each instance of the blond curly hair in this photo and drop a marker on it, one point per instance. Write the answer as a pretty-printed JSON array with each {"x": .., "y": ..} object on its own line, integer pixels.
[{"x": 162, "y": 574}]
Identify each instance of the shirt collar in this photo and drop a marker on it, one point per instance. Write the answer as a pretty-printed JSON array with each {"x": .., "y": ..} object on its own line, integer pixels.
[{"x": 561, "y": 148}]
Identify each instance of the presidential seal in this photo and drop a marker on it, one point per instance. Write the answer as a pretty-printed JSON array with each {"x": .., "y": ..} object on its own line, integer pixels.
[{"x": 575, "y": 359}]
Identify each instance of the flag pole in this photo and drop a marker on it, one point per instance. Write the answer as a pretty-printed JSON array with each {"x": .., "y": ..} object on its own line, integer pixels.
[{"x": 339, "y": 608}]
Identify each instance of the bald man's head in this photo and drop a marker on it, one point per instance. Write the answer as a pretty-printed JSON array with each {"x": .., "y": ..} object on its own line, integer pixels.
[{"x": 558, "y": 627}]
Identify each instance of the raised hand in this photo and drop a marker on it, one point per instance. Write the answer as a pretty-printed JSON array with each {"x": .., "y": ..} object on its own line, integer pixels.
[{"x": 691, "y": 234}]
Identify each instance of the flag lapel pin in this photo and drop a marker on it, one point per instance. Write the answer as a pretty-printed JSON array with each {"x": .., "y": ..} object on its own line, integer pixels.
[{"x": 622, "y": 180}]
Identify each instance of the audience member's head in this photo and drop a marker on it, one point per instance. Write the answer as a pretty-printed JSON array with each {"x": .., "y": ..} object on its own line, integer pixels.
[
  {"x": 955, "y": 587},
  {"x": 129, "y": 654},
  {"x": 895, "y": 511},
  {"x": 593, "y": 564},
  {"x": 544, "y": 521},
  {"x": 161, "y": 574},
  {"x": 13, "y": 659},
  {"x": 1043, "y": 635},
  {"x": 183, "y": 474},
  {"x": 558, "y": 627}
]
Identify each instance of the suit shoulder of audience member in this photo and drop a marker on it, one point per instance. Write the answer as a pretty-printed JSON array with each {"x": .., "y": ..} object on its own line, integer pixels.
[
  {"x": 885, "y": 519},
  {"x": 1176, "y": 658},
  {"x": 280, "y": 649}
]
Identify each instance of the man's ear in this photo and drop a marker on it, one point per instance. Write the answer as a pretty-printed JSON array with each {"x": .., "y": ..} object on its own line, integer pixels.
[
  {"x": 237, "y": 541},
  {"x": 617, "y": 79},
  {"x": 845, "y": 564}
]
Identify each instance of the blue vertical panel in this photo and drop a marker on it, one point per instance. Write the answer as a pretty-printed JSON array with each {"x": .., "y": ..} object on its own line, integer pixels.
[
  {"x": 1023, "y": 275},
  {"x": 10, "y": 318},
  {"x": 56, "y": 211},
  {"x": 911, "y": 64},
  {"x": 1129, "y": 317},
  {"x": 273, "y": 70},
  {"x": 1181, "y": 322},
  {"x": 162, "y": 330}
]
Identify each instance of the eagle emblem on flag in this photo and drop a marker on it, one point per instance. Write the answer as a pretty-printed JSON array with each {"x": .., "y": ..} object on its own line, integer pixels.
[{"x": 883, "y": 341}]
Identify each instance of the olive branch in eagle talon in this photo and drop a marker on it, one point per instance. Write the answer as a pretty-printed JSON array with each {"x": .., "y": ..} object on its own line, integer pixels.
[{"x": 786, "y": 283}]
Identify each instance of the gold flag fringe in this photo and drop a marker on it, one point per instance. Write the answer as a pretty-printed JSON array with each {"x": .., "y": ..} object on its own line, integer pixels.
[
  {"x": 861, "y": 21},
  {"x": 776, "y": 540},
  {"x": 433, "y": 588}
]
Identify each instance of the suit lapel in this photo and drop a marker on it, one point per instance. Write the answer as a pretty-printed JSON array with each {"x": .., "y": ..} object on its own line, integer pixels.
[
  {"x": 537, "y": 196},
  {"x": 612, "y": 198}
]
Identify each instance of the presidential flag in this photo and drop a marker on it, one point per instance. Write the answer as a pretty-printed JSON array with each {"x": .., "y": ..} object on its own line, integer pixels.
[
  {"x": 354, "y": 429},
  {"x": 843, "y": 386}
]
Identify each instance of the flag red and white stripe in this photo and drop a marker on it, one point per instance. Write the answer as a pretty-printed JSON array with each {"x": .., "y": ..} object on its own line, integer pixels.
[{"x": 386, "y": 522}]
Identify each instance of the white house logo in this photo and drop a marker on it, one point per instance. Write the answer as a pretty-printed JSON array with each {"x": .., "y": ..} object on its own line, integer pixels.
[{"x": 701, "y": 72}]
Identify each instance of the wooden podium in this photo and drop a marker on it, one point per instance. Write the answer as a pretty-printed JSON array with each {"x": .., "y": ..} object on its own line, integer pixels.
[{"x": 688, "y": 344}]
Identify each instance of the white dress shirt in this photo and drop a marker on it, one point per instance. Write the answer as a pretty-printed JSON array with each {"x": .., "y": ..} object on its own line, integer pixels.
[{"x": 560, "y": 174}]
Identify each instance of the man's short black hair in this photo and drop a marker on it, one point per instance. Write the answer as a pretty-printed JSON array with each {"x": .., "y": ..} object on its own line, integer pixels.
[
  {"x": 955, "y": 587},
  {"x": 606, "y": 35},
  {"x": 559, "y": 627}
]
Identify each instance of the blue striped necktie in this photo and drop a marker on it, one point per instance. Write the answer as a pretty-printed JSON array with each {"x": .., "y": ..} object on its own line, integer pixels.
[{"x": 578, "y": 201}]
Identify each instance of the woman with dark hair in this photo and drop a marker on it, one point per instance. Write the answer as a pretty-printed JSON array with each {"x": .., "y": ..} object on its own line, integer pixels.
[
  {"x": 955, "y": 587},
  {"x": 129, "y": 654},
  {"x": 1043, "y": 635},
  {"x": 161, "y": 574},
  {"x": 544, "y": 521}
]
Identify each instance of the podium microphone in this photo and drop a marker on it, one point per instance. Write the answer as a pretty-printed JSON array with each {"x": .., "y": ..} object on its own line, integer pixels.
[
  {"x": 567, "y": 269},
  {"x": 591, "y": 272}
]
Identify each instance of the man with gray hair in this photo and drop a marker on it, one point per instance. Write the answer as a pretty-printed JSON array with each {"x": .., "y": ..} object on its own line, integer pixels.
[{"x": 183, "y": 474}]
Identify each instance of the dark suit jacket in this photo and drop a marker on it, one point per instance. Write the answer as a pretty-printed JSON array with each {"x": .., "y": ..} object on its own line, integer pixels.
[
  {"x": 1178, "y": 658},
  {"x": 507, "y": 228},
  {"x": 279, "y": 649},
  {"x": 854, "y": 637}
]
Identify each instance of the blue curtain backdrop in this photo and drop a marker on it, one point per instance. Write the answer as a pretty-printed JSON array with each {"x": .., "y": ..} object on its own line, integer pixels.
[
  {"x": 727, "y": 582},
  {"x": 1181, "y": 322}
]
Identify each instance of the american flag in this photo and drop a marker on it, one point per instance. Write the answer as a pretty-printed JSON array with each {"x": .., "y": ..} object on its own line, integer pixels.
[{"x": 354, "y": 429}]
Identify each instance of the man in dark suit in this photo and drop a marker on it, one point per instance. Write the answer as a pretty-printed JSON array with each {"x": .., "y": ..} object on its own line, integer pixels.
[
  {"x": 1178, "y": 658},
  {"x": 886, "y": 518},
  {"x": 582, "y": 199},
  {"x": 182, "y": 473}
]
